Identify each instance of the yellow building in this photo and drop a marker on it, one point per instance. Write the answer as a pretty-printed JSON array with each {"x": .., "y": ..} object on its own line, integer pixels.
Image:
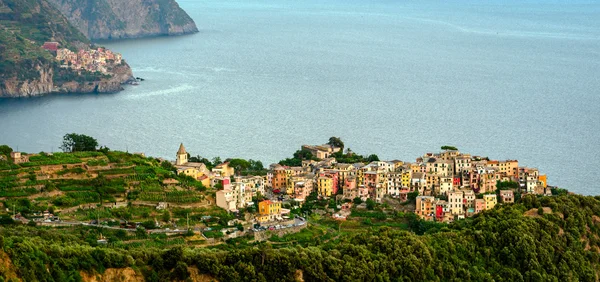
[
  {"x": 325, "y": 186},
  {"x": 291, "y": 173},
  {"x": 490, "y": 201},
  {"x": 268, "y": 211},
  {"x": 406, "y": 176},
  {"x": 360, "y": 177},
  {"x": 223, "y": 170},
  {"x": 508, "y": 167},
  {"x": 196, "y": 170}
]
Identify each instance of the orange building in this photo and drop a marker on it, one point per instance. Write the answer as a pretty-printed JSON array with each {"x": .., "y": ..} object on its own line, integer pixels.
[
  {"x": 279, "y": 179},
  {"x": 268, "y": 211},
  {"x": 544, "y": 179},
  {"x": 425, "y": 207}
]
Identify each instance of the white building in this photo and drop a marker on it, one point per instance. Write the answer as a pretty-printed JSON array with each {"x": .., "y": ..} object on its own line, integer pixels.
[{"x": 455, "y": 202}]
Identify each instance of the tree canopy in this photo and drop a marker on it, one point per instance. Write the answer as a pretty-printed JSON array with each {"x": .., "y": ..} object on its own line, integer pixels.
[
  {"x": 506, "y": 243},
  {"x": 336, "y": 142},
  {"x": 299, "y": 156},
  {"x": 74, "y": 142},
  {"x": 449, "y": 148},
  {"x": 247, "y": 167},
  {"x": 5, "y": 150}
]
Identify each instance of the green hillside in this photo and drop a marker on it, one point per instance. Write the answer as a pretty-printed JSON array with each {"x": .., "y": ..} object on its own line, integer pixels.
[
  {"x": 558, "y": 241},
  {"x": 24, "y": 27}
]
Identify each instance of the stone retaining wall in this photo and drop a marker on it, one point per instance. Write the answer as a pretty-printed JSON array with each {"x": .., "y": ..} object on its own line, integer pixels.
[{"x": 265, "y": 235}]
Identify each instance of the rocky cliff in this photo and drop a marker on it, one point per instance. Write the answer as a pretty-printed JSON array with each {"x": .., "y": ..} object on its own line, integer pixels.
[
  {"x": 116, "y": 19},
  {"x": 47, "y": 83},
  {"x": 27, "y": 69}
]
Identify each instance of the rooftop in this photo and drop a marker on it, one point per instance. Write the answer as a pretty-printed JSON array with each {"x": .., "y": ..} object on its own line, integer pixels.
[{"x": 181, "y": 150}]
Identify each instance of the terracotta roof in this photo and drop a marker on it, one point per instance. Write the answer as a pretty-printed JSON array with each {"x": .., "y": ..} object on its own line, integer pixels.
[{"x": 181, "y": 150}]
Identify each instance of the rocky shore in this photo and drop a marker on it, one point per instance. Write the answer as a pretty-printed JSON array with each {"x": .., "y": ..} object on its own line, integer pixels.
[{"x": 45, "y": 84}]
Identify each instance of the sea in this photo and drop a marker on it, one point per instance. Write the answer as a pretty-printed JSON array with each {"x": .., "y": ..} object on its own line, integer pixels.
[{"x": 505, "y": 79}]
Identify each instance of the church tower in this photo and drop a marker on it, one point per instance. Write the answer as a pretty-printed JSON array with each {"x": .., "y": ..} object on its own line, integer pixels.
[{"x": 182, "y": 156}]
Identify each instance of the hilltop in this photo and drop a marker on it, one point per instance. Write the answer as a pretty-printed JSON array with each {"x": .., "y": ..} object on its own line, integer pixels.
[
  {"x": 28, "y": 69},
  {"x": 116, "y": 19}
]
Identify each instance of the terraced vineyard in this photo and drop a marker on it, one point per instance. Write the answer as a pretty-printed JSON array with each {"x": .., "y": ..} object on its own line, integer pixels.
[
  {"x": 80, "y": 178},
  {"x": 179, "y": 197}
]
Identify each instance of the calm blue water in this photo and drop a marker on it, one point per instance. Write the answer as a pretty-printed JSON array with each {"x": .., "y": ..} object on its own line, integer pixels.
[{"x": 507, "y": 79}]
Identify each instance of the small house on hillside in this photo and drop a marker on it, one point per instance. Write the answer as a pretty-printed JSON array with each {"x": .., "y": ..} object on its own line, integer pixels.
[
  {"x": 19, "y": 158},
  {"x": 51, "y": 46}
]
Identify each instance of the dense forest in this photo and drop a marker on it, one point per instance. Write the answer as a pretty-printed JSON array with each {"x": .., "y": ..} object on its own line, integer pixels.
[{"x": 538, "y": 239}]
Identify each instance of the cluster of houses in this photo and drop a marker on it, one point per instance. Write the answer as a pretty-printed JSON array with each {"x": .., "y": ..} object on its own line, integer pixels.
[
  {"x": 91, "y": 60},
  {"x": 449, "y": 184},
  {"x": 235, "y": 192}
]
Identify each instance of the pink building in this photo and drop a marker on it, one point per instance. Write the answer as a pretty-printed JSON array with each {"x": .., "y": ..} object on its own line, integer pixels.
[
  {"x": 350, "y": 189},
  {"x": 479, "y": 205}
]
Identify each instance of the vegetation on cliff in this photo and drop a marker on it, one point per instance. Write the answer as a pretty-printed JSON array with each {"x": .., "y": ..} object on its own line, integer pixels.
[
  {"x": 28, "y": 69},
  {"x": 24, "y": 27},
  {"x": 111, "y": 19},
  {"x": 508, "y": 243}
]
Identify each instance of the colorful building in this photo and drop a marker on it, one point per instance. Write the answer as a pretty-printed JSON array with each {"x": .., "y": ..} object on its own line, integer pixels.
[
  {"x": 507, "y": 196},
  {"x": 425, "y": 207},
  {"x": 456, "y": 202},
  {"x": 490, "y": 201},
  {"x": 479, "y": 205},
  {"x": 268, "y": 211}
]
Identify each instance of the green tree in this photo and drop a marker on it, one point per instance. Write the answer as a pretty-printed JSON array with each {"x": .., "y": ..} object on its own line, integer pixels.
[
  {"x": 78, "y": 143},
  {"x": 336, "y": 142},
  {"x": 140, "y": 232},
  {"x": 256, "y": 165},
  {"x": 180, "y": 272},
  {"x": 149, "y": 224},
  {"x": 449, "y": 148},
  {"x": 121, "y": 234},
  {"x": 100, "y": 186},
  {"x": 166, "y": 217},
  {"x": 5, "y": 150},
  {"x": 370, "y": 204},
  {"x": 412, "y": 196},
  {"x": 167, "y": 165},
  {"x": 357, "y": 201},
  {"x": 303, "y": 155},
  {"x": 372, "y": 158}
]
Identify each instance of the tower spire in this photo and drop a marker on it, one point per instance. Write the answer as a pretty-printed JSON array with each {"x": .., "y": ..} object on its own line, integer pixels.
[
  {"x": 182, "y": 155},
  {"x": 181, "y": 150}
]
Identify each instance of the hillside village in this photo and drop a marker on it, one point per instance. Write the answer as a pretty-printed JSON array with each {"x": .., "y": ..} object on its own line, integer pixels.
[
  {"x": 93, "y": 60},
  {"x": 448, "y": 185},
  {"x": 441, "y": 187}
]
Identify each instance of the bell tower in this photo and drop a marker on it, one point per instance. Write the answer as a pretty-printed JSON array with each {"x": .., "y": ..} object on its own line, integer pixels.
[{"x": 182, "y": 156}]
